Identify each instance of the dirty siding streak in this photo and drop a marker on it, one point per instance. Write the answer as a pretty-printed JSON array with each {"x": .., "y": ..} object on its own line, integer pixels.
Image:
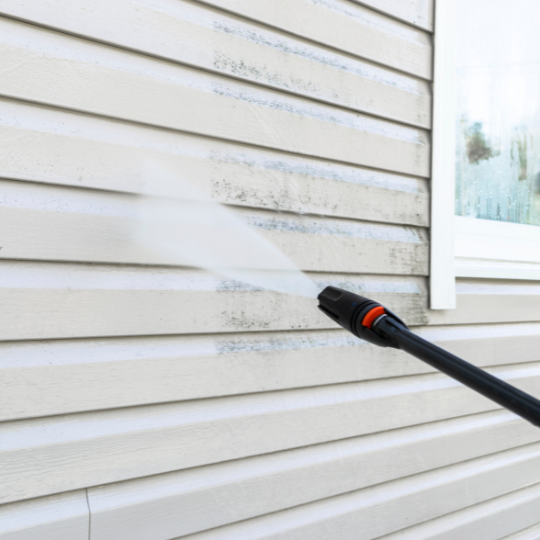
[
  {"x": 362, "y": 31},
  {"x": 49, "y": 146},
  {"x": 70, "y": 376},
  {"x": 53, "y": 69},
  {"x": 105, "y": 224},
  {"x": 144, "y": 401},
  {"x": 416, "y": 12},
  {"x": 198, "y": 36},
  {"x": 77, "y": 300}
]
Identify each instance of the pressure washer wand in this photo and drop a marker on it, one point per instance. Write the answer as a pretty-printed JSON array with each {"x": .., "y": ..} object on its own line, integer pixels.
[{"x": 376, "y": 324}]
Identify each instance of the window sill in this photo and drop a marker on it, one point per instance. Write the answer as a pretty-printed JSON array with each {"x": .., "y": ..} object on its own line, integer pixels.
[{"x": 496, "y": 250}]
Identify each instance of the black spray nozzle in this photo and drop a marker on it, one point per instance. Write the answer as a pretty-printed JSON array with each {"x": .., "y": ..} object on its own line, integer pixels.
[
  {"x": 376, "y": 324},
  {"x": 357, "y": 314}
]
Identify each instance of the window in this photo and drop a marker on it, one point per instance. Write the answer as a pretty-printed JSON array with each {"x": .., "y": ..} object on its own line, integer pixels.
[{"x": 488, "y": 65}]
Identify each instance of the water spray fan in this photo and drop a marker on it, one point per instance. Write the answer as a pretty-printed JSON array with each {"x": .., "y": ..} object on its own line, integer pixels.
[{"x": 376, "y": 324}]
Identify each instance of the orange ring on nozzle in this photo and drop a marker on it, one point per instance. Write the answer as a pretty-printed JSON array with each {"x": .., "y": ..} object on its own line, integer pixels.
[{"x": 371, "y": 315}]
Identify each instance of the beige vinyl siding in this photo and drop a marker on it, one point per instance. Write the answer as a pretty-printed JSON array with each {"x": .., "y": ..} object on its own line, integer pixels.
[
  {"x": 49, "y": 146},
  {"x": 415, "y": 12},
  {"x": 47, "y": 223},
  {"x": 60, "y": 517},
  {"x": 362, "y": 31},
  {"x": 526, "y": 534},
  {"x": 70, "y": 452},
  {"x": 68, "y": 376},
  {"x": 370, "y": 511},
  {"x": 62, "y": 300},
  {"x": 492, "y": 301},
  {"x": 56, "y": 70},
  {"x": 166, "y": 505},
  {"x": 488, "y": 520},
  {"x": 145, "y": 401},
  {"x": 187, "y": 33}
]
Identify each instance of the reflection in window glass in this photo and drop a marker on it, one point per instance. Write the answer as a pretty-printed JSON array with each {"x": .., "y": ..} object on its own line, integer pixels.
[{"x": 498, "y": 110}]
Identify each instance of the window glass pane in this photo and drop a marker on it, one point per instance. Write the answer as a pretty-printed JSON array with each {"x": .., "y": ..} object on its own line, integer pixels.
[{"x": 498, "y": 110}]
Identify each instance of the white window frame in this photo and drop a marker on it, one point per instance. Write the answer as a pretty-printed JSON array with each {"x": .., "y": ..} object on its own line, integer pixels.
[{"x": 460, "y": 246}]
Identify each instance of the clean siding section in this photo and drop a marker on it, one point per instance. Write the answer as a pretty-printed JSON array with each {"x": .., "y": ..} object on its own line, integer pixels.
[
  {"x": 167, "y": 506},
  {"x": 492, "y": 301},
  {"x": 385, "y": 508},
  {"x": 75, "y": 451},
  {"x": 61, "y": 517},
  {"x": 531, "y": 533},
  {"x": 490, "y": 520}
]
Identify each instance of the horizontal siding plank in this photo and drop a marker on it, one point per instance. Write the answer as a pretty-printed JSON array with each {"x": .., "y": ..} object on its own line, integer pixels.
[
  {"x": 195, "y": 35},
  {"x": 73, "y": 376},
  {"x": 84, "y": 375},
  {"x": 53, "y": 69},
  {"x": 50, "y": 146},
  {"x": 345, "y": 26},
  {"x": 531, "y": 533},
  {"x": 62, "y": 224},
  {"x": 491, "y": 301},
  {"x": 171, "y": 505},
  {"x": 60, "y": 517},
  {"x": 75, "y": 300},
  {"x": 488, "y": 345},
  {"x": 416, "y": 12},
  {"x": 74, "y": 451},
  {"x": 386, "y": 508},
  {"x": 490, "y": 520}
]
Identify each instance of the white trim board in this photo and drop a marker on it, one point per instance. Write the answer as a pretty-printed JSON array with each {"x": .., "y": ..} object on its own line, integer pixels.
[
  {"x": 442, "y": 278},
  {"x": 495, "y": 249}
]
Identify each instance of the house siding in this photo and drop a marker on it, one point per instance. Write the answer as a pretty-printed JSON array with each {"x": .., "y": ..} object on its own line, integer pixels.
[{"x": 145, "y": 401}]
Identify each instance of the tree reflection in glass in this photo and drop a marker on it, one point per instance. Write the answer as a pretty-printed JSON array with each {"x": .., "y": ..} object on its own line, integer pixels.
[{"x": 498, "y": 110}]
